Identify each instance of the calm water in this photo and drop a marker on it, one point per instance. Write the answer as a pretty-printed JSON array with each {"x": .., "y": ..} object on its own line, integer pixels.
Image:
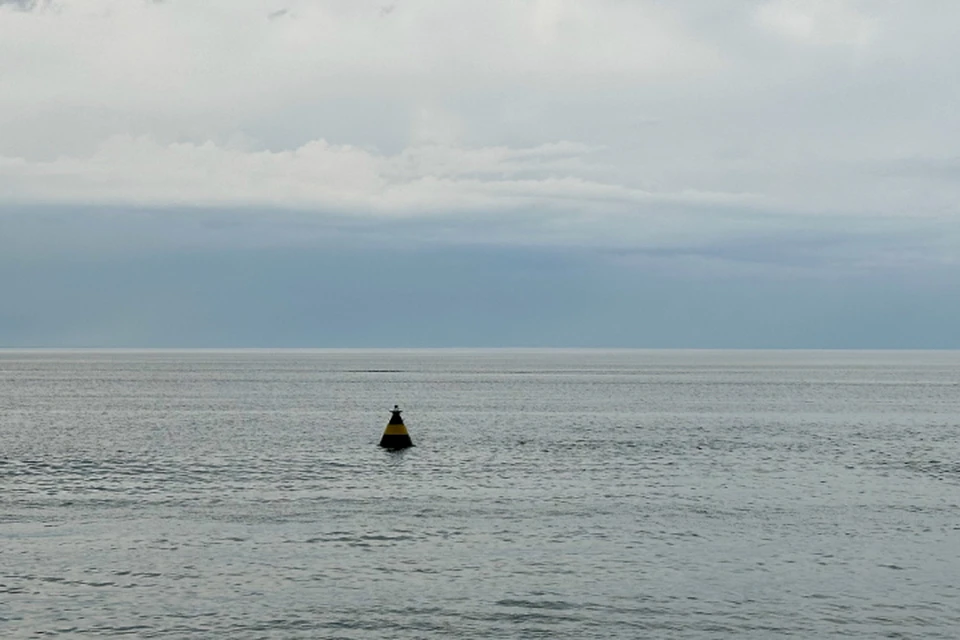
[{"x": 557, "y": 494}]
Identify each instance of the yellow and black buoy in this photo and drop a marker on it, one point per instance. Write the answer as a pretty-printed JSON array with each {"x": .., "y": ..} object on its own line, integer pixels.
[{"x": 395, "y": 436}]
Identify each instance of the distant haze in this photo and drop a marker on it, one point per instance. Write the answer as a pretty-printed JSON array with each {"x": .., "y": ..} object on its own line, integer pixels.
[{"x": 303, "y": 173}]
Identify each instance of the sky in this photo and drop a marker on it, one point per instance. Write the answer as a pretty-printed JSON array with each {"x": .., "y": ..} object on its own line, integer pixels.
[{"x": 483, "y": 173}]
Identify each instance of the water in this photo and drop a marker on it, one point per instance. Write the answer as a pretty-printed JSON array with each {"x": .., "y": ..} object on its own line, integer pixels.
[{"x": 558, "y": 494}]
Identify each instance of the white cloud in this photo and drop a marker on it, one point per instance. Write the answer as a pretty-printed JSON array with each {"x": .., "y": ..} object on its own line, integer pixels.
[
  {"x": 608, "y": 115},
  {"x": 188, "y": 58},
  {"x": 820, "y": 22},
  {"x": 331, "y": 178}
]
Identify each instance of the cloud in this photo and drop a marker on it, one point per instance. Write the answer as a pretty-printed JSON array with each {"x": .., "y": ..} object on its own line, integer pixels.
[
  {"x": 603, "y": 122},
  {"x": 339, "y": 178},
  {"x": 820, "y": 22},
  {"x": 188, "y": 58},
  {"x": 24, "y": 5}
]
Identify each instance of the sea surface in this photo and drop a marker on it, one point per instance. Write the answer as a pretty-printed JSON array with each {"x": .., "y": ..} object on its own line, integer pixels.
[{"x": 551, "y": 494}]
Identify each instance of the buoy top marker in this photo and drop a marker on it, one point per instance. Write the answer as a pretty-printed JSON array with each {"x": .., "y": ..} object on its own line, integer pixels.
[{"x": 395, "y": 436}]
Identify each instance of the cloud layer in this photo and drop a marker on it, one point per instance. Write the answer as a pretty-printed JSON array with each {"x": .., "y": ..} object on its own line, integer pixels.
[{"x": 623, "y": 124}]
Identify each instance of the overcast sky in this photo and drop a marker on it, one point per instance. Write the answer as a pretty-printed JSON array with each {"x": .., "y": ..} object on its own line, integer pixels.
[{"x": 229, "y": 173}]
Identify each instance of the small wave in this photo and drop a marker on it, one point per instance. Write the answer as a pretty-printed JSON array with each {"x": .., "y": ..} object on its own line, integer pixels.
[{"x": 555, "y": 605}]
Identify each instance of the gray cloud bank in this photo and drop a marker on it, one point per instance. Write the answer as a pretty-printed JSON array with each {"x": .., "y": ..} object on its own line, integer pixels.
[
  {"x": 227, "y": 278},
  {"x": 476, "y": 296}
]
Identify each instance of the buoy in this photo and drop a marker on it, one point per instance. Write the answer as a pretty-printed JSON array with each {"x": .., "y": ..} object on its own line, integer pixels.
[{"x": 395, "y": 436}]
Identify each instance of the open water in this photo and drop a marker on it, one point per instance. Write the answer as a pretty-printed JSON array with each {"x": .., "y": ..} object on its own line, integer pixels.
[{"x": 555, "y": 494}]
